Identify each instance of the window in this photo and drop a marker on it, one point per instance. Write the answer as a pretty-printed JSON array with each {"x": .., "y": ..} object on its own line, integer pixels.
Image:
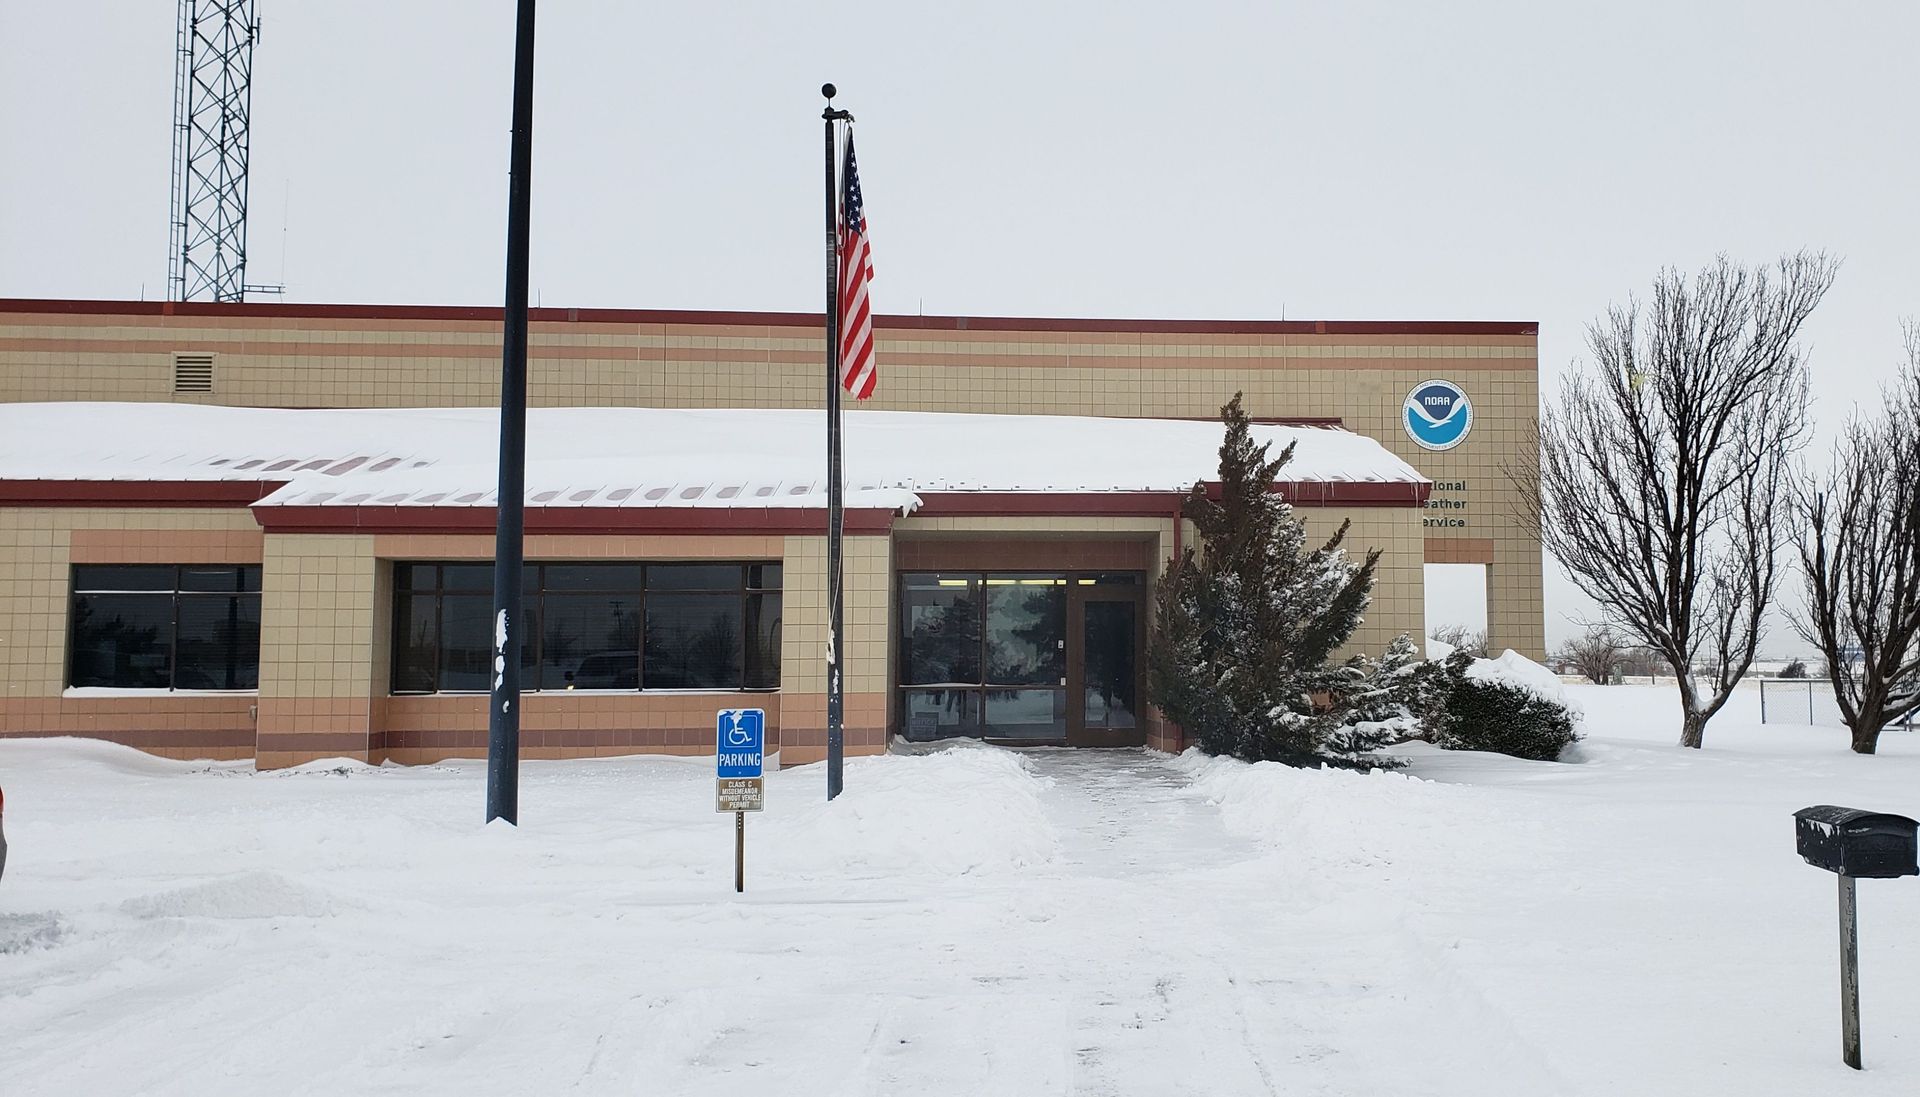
[
  {"x": 165, "y": 626},
  {"x": 605, "y": 626},
  {"x": 984, "y": 654}
]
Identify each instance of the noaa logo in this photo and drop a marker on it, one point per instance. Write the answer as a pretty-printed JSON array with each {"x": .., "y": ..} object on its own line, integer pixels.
[{"x": 1438, "y": 415}]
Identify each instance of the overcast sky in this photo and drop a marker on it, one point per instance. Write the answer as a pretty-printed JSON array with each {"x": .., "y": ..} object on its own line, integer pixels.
[{"x": 1470, "y": 160}]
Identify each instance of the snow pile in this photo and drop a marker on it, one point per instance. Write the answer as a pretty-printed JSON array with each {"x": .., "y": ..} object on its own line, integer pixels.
[
  {"x": 241, "y": 895},
  {"x": 955, "y": 812},
  {"x": 1321, "y": 820},
  {"x": 69, "y": 753}
]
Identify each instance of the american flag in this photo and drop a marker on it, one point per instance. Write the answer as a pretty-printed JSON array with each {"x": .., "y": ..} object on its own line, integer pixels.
[{"x": 857, "y": 374}]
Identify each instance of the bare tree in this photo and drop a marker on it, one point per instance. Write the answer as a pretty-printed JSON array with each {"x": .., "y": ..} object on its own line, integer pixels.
[
  {"x": 1461, "y": 638},
  {"x": 1665, "y": 466},
  {"x": 1860, "y": 556},
  {"x": 1596, "y": 653},
  {"x": 1640, "y": 661}
]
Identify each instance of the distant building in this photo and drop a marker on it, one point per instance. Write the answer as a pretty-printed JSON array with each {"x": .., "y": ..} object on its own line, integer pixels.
[{"x": 189, "y": 574}]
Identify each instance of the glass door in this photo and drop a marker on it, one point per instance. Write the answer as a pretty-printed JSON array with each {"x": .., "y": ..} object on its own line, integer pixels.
[
  {"x": 983, "y": 655},
  {"x": 1025, "y": 693},
  {"x": 1105, "y": 653},
  {"x": 940, "y": 655}
]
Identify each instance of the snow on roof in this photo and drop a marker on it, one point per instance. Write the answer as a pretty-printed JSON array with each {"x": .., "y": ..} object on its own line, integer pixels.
[{"x": 638, "y": 457}]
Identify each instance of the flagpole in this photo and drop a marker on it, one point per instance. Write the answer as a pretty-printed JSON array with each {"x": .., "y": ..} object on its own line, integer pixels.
[{"x": 836, "y": 732}]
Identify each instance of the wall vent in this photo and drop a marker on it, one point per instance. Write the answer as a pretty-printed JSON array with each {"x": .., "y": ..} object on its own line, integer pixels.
[{"x": 193, "y": 373}]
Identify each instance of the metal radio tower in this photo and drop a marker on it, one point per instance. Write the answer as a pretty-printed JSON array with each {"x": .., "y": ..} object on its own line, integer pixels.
[{"x": 212, "y": 98}]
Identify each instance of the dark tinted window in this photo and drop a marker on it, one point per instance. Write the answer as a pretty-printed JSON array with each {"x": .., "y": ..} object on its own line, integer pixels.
[
  {"x": 592, "y": 626},
  {"x": 763, "y": 640},
  {"x": 416, "y": 576},
  {"x": 416, "y": 642},
  {"x": 693, "y": 641},
  {"x": 122, "y": 640},
  {"x": 217, "y": 642},
  {"x": 466, "y": 641},
  {"x": 110, "y": 577},
  {"x": 940, "y": 624},
  {"x": 220, "y": 579},
  {"x": 610, "y": 577},
  {"x": 590, "y": 641},
  {"x": 467, "y": 577},
  {"x": 189, "y": 627},
  {"x": 693, "y": 577}
]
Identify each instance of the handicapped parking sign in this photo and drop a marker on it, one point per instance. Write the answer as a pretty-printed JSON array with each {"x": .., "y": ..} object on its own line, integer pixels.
[
  {"x": 740, "y": 739},
  {"x": 740, "y": 755}
]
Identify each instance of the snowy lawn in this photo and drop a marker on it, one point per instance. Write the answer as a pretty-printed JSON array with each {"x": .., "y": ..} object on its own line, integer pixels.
[{"x": 970, "y": 921}]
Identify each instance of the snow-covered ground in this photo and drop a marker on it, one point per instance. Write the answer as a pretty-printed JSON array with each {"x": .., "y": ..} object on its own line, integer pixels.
[{"x": 970, "y": 921}]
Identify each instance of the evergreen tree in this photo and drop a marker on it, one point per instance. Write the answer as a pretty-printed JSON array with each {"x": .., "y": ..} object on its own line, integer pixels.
[
  {"x": 1375, "y": 703},
  {"x": 1245, "y": 628}
]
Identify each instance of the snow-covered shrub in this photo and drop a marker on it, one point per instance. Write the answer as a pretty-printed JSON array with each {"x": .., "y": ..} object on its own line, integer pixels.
[
  {"x": 1499, "y": 705},
  {"x": 1371, "y": 703}
]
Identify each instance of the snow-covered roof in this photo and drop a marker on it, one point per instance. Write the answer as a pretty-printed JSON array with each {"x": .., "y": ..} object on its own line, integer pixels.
[{"x": 645, "y": 457}]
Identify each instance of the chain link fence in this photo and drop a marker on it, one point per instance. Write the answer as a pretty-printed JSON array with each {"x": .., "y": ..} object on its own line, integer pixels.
[{"x": 1808, "y": 702}]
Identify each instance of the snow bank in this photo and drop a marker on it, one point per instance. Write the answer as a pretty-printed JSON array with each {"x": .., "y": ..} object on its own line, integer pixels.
[
  {"x": 1326, "y": 817},
  {"x": 61, "y": 752},
  {"x": 954, "y": 812},
  {"x": 242, "y": 895},
  {"x": 22, "y": 932}
]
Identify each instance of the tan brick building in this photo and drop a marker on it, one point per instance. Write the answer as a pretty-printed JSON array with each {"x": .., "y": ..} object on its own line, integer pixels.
[{"x": 1011, "y": 604}]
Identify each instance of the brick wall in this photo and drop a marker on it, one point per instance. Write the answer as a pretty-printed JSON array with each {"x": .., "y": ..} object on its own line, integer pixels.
[{"x": 38, "y": 546}]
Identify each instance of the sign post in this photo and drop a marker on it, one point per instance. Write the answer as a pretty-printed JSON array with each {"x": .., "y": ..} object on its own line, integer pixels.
[{"x": 739, "y": 747}]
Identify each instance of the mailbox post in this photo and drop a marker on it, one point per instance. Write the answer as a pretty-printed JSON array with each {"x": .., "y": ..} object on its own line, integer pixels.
[{"x": 1854, "y": 844}]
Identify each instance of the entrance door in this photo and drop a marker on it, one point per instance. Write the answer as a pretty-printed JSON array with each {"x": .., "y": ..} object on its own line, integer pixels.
[
  {"x": 1105, "y": 653},
  {"x": 1033, "y": 657}
]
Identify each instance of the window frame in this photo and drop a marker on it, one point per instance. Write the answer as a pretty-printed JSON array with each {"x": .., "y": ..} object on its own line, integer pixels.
[
  {"x": 534, "y": 593},
  {"x": 173, "y": 592}
]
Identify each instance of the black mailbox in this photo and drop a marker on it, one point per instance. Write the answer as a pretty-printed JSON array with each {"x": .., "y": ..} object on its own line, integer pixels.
[{"x": 1866, "y": 845}]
